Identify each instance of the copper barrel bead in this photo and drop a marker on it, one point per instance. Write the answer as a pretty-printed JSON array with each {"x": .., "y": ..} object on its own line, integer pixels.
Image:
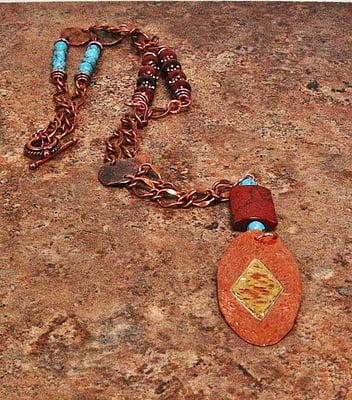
[
  {"x": 252, "y": 203},
  {"x": 146, "y": 92},
  {"x": 150, "y": 58}
]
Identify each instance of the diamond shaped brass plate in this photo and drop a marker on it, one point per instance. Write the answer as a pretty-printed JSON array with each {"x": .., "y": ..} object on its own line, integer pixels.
[{"x": 257, "y": 289}]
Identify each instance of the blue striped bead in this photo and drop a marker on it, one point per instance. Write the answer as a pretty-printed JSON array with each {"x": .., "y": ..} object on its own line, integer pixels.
[{"x": 256, "y": 226}]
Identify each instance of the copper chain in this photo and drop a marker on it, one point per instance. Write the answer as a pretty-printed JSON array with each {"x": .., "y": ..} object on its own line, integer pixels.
[{"x": 123, "y": 143}]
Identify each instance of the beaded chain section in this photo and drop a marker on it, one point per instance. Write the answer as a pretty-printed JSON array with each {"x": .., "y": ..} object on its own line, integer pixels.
[{"x": 121, "y": 168}]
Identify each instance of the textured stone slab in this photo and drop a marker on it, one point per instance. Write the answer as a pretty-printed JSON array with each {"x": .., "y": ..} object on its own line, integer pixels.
[{"x": 106, "y": 297}]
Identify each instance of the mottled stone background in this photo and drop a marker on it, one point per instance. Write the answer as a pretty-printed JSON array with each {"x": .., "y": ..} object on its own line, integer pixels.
[{"x": 104, "y": 296}]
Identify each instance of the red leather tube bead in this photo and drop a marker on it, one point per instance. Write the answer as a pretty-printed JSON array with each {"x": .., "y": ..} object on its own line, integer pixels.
[{"x": 252, "y": 203}]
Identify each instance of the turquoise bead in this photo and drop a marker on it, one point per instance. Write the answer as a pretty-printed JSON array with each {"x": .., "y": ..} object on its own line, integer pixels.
[
  {"x": 58, "y": 62},
  {"x": 256, "y": 225},
  {"x": 94, "y": 47},
  {"x": 92, "y": 55},
  {"x": 58, "y": 65},
  {"x": 90, "y": 59},
  {"x": 60, "y": 55},
  {"x": 61, "y": 45},
  {"x": 248, "y": 182},
  {"x": 93, "y": 51},
  {"x": 86, "y": 67}
]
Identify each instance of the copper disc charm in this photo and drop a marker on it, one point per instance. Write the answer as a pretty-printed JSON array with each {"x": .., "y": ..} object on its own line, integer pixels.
[
  {"x": 76, "y": 36},
  {"x": 115, "y": 174},
  {"x": 259, "y": 288},
  {"x": 108, "y": 38}
]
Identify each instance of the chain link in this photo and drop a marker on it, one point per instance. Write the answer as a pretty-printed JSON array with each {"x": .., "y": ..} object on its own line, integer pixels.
[
  {"x": 123, "y": 143},
  {"x": 148, "y": 184}
]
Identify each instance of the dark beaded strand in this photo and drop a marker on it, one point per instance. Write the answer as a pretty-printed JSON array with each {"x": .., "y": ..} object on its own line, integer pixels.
[
  {"x": 176, "y": 80},
  {"x": 147, "y": 77},
  {"x": 164, "y": 62}
]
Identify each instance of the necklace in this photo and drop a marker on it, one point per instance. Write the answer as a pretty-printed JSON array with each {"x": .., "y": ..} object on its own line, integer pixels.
[{"x": 258, "y": 281}]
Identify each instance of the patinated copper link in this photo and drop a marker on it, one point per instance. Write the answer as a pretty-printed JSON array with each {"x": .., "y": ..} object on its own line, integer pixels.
[
  {"x": 66, "y": 108},
  {"x": 148, "y": 184}
]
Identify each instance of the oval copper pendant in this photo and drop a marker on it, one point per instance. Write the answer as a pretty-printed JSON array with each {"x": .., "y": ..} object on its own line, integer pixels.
[
  {"x": 259, "y": 288},
  {"x": 116, "y": 174}
]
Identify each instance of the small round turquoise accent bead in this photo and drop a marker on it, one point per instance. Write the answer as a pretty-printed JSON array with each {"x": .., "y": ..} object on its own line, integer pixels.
[
  {"x": 61, "y": 45},
  {"x": 86, "y": 67},
  {"x": 248, "y": 182},
  {"x": 255, "y": 226}
]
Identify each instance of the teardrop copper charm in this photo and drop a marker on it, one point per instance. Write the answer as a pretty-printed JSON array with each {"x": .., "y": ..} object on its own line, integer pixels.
[{"x": 259, "y": 288}]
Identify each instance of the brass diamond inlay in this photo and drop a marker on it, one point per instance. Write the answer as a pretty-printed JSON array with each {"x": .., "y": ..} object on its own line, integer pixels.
[{"x": 257, "y": 289}]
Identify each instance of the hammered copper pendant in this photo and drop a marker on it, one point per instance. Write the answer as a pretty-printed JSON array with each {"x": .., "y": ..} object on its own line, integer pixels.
[{"x": 259, "y": 288}]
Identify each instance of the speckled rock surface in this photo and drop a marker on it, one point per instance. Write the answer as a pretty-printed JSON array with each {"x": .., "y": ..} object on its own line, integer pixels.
[{"x": 104, "y": 296}]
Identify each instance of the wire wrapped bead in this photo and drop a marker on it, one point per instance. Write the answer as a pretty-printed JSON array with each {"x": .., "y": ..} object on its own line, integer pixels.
[
  {"x": 146, "y": 93},
  {"x": 180, "y": 84},
  {"x": 150, "y": 58}
]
